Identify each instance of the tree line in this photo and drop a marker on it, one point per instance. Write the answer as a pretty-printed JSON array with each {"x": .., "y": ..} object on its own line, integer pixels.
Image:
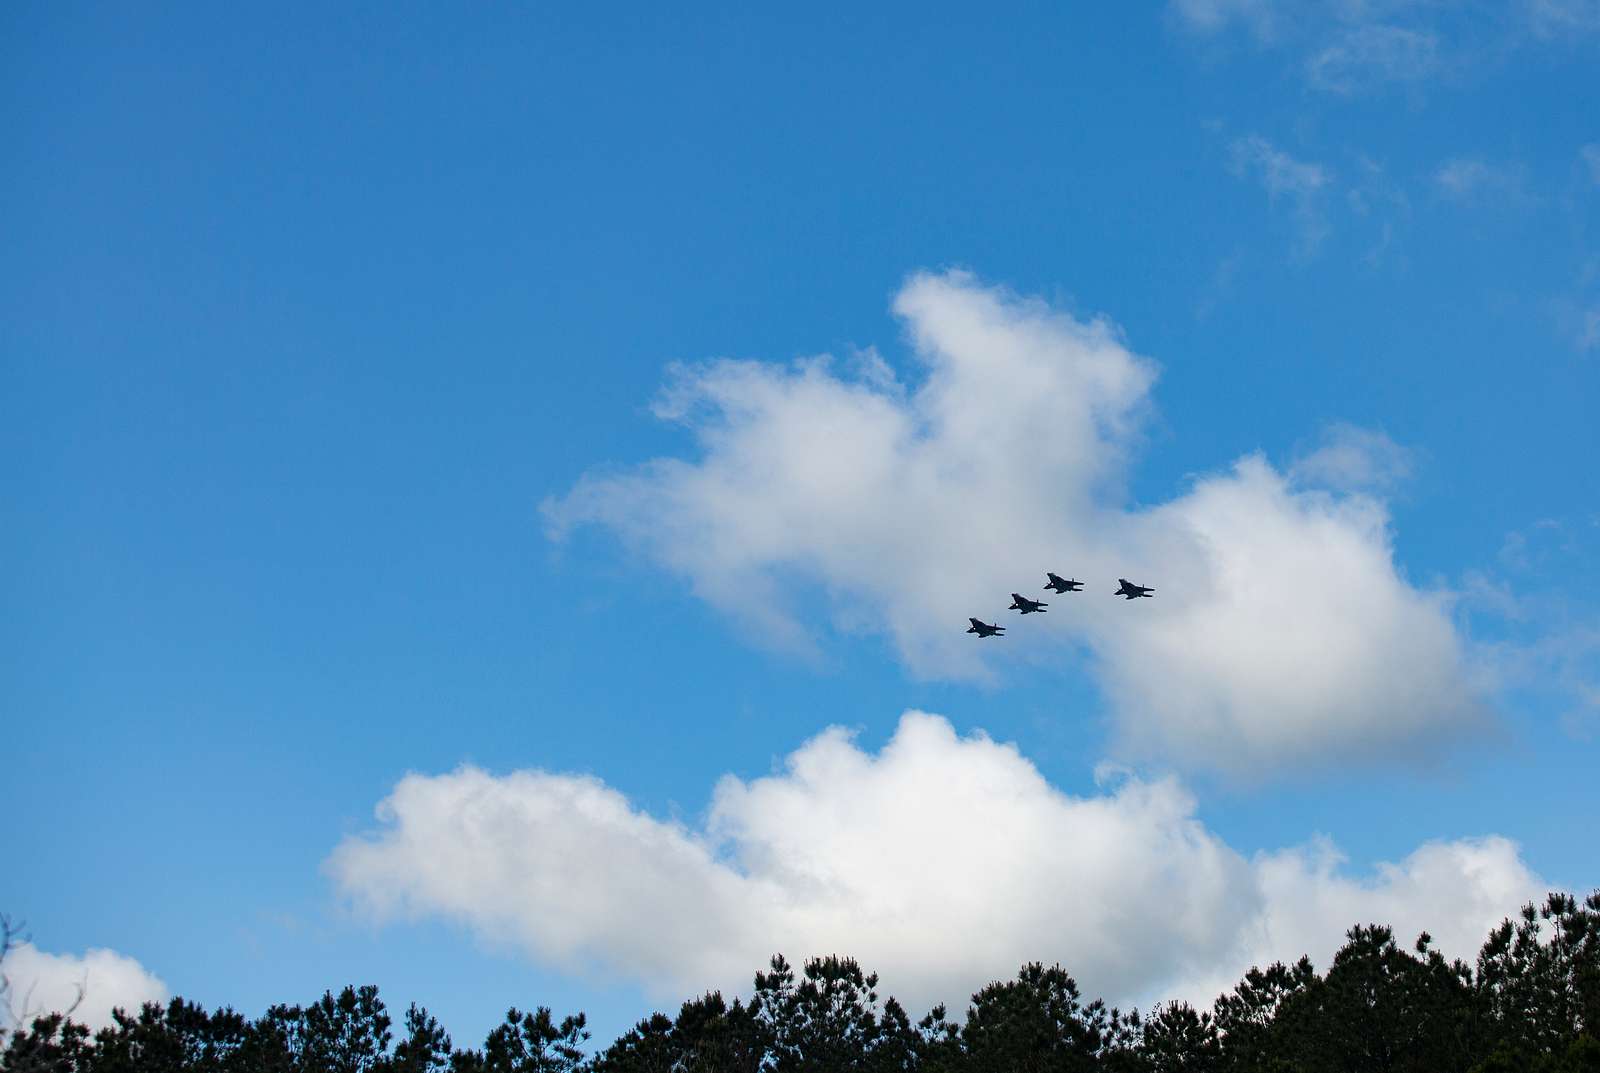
[{"x": 1530, "y": 1003}]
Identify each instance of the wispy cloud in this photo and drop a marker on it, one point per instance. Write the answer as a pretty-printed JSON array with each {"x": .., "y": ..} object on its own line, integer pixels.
[
  {"x": 1548, "y": 641},
  {"x": 1354, "y": 459},
  {"x": 1300, "y": 184},
  {"x": 1260, "y": 17},
  {"x": 1347, "y": 47},
  {"x": 1280, "y": 173},
  {"x": 1560, "y": 663},
  {"x": 1220, "y": 285},
  {"x": 1367, "y": 56},
  {"x": 1590, "y": 155},
  {"x": 1478, "y": 180},
  {"x": 1375, "y": 196},
  {"x": 1553, "y": 18},
  {"x": 1576, "y": 313}
]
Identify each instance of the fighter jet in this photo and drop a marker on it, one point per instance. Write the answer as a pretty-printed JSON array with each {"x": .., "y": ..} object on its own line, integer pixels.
[
  {"x": 1025, "y": 605},
  {"x": 1131, "y": 591},
  {"x": 1060, "y": 584},
  {"x": 983, "y": 629}
]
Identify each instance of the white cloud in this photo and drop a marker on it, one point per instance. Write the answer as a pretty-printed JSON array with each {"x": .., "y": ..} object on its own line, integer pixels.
[
  {"x": 41, "y": 983},
  {"x": 1364, "y": 56},
  {"x": 1282, "y": 630},
  {"x": 1299, "y": 183},
  {"x": 1302, "y": 644},
  {"x": 941, "y": 861},
  {"x": 1454, "y": 890}
]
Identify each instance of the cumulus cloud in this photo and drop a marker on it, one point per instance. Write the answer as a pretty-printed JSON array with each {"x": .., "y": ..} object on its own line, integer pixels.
[
  {"x": 1282, "y": 631},
  {"x": 1252, "y": 669},
  {"x": 941, "y": 861},
  {"x": 97, "y": 982}
]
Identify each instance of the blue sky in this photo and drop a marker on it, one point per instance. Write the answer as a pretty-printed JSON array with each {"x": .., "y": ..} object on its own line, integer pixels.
[{"x": 315, "y": 328}]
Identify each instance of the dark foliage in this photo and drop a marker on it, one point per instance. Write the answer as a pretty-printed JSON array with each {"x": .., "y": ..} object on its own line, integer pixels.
[{"x": 1530, "y": 1004}]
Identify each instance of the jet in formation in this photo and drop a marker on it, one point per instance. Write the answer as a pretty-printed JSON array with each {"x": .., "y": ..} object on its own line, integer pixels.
[{"x": 1058, "y": 583}]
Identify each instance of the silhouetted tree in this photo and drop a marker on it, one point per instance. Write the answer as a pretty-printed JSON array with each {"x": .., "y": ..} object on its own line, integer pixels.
[
  {"x": 1038, "y": 1022},
  {"x": 650, "y": 1046},
  {"x": 1243, "y": 1019},
  {"x": 826, "y": 1020},
  {"x": 1378, "y": 1009},
  {"x": 50, "y": 1044},
  {"x": 180, "y": 1036},
  {"x": 939, "y": 1048},
  {"x": 348, "y": 1034},
  {"x": 1178, "y": 1039},
  {"x": 1530, "y": 1004},
  {"x": 900, "y": 1045},
  {"x": 527, "y": 1043},
  {"x": 271, "y": 1042},
  {"x": 711, "y": 1036},
  {"x": 708, "y": 1036},
  {"x": 426, "y": 1048}
]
